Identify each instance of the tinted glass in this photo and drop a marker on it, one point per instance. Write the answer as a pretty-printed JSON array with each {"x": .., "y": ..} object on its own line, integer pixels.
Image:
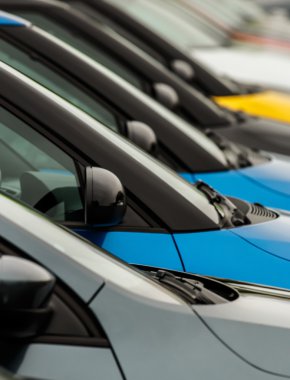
[
  {"x": 36, "y": 171},
  {"x": 42, "y": 74},
  {"x": 80, "y": 43},
  {"x": 168, "y": 20}
]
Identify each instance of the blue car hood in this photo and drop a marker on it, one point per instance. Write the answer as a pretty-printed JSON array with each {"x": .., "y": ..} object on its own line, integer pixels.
[
  {"x": 274, "y": 174},
  {"x": 272, "y": 237}
]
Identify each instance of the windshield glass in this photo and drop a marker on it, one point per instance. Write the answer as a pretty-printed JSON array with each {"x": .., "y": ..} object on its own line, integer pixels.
[
  {"x": 58, "y": 84},
  {"x": 68, "y": 35},
  {"x": 37, "y": 71},
  {"x": 167, "y": 20},
  {"x": 192, "y": 195}
]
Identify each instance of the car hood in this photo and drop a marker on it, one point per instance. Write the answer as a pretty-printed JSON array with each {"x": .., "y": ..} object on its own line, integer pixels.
[
  {"x": 270, "y": 104},
  {"x": 256, "y": 328},
  {"x": 273, "y": 236},
  {"x": 273, "y": 175},
  {"x": 251, "y": 65}
]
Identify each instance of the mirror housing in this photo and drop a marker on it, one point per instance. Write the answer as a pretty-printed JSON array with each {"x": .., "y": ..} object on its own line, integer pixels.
[
  {"x": 105, "y": 198},
  {"x": 166, "y": 95},
  {"x": 142, "y": 135},
  {"x": 25, "y": 291},
  {"x": 183, "y": 69}
]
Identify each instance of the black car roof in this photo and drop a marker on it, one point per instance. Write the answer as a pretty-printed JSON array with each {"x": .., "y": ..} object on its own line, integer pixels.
[{"x": 176, "y": 203}]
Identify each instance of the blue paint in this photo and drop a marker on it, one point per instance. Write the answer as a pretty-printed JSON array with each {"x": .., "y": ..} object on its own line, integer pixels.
[
  {"x": 8, "y": 19},
  {"x": 224, "y": 254},
  {"x": 234, "y": 184},
  {"x": 153, "y": 249},
  {"x": 273, "y": 237},
  {"x": 273, "y": 175}
]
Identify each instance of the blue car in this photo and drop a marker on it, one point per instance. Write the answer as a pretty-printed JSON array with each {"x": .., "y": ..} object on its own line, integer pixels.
[
  {"x": 231, "y": 169},
  {"x": 60, "y": 161}
]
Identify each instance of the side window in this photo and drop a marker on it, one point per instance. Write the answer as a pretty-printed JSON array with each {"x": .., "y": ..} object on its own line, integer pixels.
[
  {"x": 37, "y": 172},
  {"x": 56, "y": 83}
]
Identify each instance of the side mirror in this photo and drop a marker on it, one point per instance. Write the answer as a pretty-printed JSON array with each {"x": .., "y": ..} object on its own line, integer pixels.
[
  {"x": 166, "y": 95},
  {"x": 25, "y": 291},
  {"x": 142, "y": 135},
  {"x": 183, "y": 69},
  {"x": 105, "y": 199}
]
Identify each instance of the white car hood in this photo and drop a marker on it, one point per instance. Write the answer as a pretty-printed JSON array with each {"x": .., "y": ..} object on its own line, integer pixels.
[{"x": 247, "y": 64}]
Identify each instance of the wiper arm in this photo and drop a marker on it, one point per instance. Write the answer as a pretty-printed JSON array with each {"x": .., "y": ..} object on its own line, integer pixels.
[
  {"x": 236, "y": 157},
  {"x": 229, "y": 214},
  {"x": 193, "y": 292}
]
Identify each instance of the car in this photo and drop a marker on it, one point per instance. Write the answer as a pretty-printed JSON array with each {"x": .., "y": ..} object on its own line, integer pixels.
[
  {"x": 208, "y": 75},
  {"x": 64, "y": 163},
  {"x": 70, "y": 310},
  {"x": 231, "y": 169}
]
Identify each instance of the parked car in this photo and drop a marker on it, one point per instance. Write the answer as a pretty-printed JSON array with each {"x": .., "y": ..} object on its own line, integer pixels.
[
  {"x": 70, "y": 310},
  {"x": 231, "y": 169},
  {"x": 56, "y": 158},
  {"x": 209, "y": 65}
]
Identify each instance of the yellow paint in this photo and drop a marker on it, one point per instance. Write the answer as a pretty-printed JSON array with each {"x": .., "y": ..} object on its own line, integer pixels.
[{"x": 269, "y": 104}]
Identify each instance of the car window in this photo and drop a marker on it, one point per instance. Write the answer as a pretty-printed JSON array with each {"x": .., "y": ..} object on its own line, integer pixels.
[
  {"x": 56, "y": 83},
  {"x": 166, "y": 21},
  {"x": 37, "y": 172},
  {"x": 82, "y": 44}
]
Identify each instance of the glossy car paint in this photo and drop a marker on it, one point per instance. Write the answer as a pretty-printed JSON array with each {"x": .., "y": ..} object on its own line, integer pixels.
[
  {"x": 160, "y": 333},
  {"x": 236, "y": 183},
  {"x": 187, "y": 221},
  {"x": 271, "y": 104}
]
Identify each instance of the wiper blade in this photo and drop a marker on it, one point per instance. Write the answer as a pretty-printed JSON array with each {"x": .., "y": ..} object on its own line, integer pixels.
[
  {"x": 229, "y": 213},
  {"x": 236, "y": 157},
  {"x": 192, "y": 291}
]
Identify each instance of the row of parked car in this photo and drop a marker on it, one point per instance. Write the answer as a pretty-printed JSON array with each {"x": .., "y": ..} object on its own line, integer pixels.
[{"x": 144, "y": 195}]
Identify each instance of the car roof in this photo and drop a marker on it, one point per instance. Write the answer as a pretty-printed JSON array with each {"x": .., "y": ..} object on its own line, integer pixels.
[{"x": 7, "y": 19}]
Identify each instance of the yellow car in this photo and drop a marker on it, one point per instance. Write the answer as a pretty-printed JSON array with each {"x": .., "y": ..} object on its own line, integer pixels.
[{"x": 270, "y": 104}]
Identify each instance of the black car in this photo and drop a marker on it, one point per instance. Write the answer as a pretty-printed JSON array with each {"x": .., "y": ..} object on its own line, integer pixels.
[{"x": 103, "y": 45}]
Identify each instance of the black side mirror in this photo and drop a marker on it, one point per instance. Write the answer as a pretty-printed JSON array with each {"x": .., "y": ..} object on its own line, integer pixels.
[
  {"x": 105, "y": 199},
  {"x": 25, "y": 291},
  {"x": 183, "y": 69},
  {"x": 142, "y": 135},
  {"x": 166, "y": 95}
]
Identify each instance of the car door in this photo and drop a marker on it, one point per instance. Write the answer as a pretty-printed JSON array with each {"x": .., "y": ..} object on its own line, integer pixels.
[{"x": 48, "y": 176}]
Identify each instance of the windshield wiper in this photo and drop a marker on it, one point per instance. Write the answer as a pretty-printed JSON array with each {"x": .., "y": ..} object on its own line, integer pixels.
[
  {"x": 236, "y": 157},
  {"x": 228, "y": 212},
  {"x": 192, "y": 291}
]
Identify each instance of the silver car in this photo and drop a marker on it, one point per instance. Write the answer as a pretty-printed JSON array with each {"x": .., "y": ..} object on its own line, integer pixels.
[{"x": 71, "y": 311}]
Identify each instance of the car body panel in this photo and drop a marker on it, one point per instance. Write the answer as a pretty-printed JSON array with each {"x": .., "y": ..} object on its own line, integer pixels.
[
  {"x": 152, "y": 331},
  {"x": 258, "y": 329},
  {"x": 124, "y": 331},
  {"x": 271, "y": 104},
  {"x": 48, "y": 361},
  {"x": 272, "y": 237},
  {"x": 238, "y": 253},
  {"x": 153, "y": 249}
]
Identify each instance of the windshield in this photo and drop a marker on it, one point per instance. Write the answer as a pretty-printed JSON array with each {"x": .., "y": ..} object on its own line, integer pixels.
[
  {"x": 192, "y": 195},
  {"x": 167, "y": 19},
  {"x": 96, "y": 52},
  {"x": 63, "y": 87},
  {"x": 37, "y": 71}
]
